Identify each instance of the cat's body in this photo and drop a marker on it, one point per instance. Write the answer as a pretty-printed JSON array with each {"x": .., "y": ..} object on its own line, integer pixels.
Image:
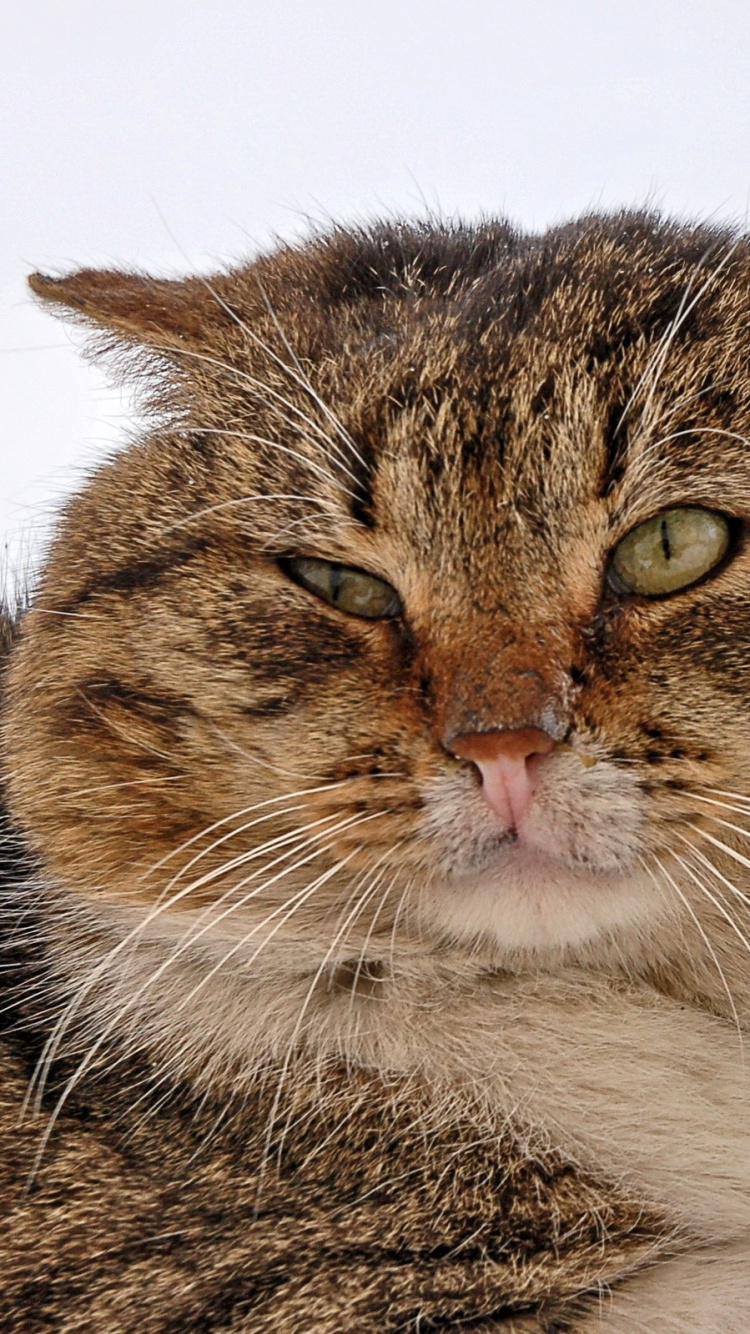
[
  {"x": 366, "y": 1208},
  {"x": 471, "y": 821}
]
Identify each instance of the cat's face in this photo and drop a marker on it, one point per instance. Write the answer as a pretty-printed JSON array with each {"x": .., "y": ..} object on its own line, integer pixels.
[{"x": 492, "y": 738}]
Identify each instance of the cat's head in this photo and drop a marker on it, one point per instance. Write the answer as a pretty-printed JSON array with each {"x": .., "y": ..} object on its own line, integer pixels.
[{"x": 420, "y": 620}]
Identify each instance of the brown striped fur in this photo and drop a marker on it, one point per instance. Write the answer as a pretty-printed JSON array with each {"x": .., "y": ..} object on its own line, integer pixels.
[
  {"x": 367, "y": 1210},
  {"x": 258, "y": 849}
]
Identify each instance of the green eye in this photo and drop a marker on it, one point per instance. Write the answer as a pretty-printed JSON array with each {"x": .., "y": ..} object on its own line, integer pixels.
[
  {"x": 671, "y": 551},
  {"x": 346, "y": 589}
]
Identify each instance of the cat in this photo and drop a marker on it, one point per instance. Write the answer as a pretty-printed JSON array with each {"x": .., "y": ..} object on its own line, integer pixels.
[{"x": 377, "y": 745}]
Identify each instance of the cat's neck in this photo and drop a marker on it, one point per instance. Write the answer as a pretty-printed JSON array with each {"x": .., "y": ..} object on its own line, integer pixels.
[{"x": 203, "y": 1006}]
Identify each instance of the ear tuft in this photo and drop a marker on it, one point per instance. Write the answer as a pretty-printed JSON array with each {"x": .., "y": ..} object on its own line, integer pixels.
[{"x": 147, "y": 310}]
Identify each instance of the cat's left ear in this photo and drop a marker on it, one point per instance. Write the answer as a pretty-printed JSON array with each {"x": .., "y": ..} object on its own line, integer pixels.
[{"x": 159, "y": 312}]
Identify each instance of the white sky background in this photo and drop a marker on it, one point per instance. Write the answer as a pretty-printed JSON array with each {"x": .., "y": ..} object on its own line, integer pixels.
[{"x": 166, "y": 134}]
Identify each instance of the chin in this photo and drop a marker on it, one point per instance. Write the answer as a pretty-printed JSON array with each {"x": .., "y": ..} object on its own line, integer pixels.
[{"x": 525, "y": 901}]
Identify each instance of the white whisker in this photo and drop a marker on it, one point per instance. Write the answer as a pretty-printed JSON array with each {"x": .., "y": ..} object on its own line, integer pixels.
[
  {"x": 275, "y": 400},
  {"x": 295, "y": 372},
  {"x": 658, "y": 361},
  {"x": 724, "y": 847},
  {"x": 362, "y": 899},
  {"x": 396, "y": 919},
  {"x": 134, "y": 998},
  {"x": 683, "y": 898},
  {"x": 714, "y": 870},
  {"x": 726, "y": 824},
  {"x": 373, "y": 923},
  {"x": 247, "y": 810},
  {"x": 725, "y": 805},
  {"x": 252, "y": 499},
  {"x": 284, "y": 912},
  {"x": 41, "y": 1073}
]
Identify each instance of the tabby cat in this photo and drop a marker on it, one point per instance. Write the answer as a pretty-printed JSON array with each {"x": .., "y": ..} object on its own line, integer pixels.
[{"x": 377, "y": 762}]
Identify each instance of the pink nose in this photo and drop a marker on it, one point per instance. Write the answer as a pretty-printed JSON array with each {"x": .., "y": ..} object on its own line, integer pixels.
[{"x": 502, "y": 758}]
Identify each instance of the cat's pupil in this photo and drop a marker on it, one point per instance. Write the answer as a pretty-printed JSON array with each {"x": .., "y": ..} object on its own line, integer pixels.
[{"x": 671, "y": 551}]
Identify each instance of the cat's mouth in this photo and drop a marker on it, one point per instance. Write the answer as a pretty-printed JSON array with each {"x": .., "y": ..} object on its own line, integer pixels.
[
  {"x": 541, "y": 858},
  {"x": 567, "y": 873},
  {"x": 512, "y": 855},
  {"x": 574, "y": 823}
]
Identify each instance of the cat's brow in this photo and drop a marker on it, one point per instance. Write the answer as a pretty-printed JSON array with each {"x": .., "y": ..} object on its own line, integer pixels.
[
  {"x": 295, "y": 372},
  {"x": 266, "y": 394}
]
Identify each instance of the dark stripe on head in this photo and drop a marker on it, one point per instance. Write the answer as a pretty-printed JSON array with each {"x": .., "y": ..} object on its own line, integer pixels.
[
  {"x": 138, "y": 574},
  {"x": 616, "y": 444},
  {"x": 364, "y": 467}
]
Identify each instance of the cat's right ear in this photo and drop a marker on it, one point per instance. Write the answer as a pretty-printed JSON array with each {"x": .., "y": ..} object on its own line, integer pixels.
[{"x": 159, "y": 312}]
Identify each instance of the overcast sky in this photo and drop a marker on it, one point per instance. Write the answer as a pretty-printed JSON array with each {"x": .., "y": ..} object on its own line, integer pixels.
[{"x": 177, "y": 133}]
